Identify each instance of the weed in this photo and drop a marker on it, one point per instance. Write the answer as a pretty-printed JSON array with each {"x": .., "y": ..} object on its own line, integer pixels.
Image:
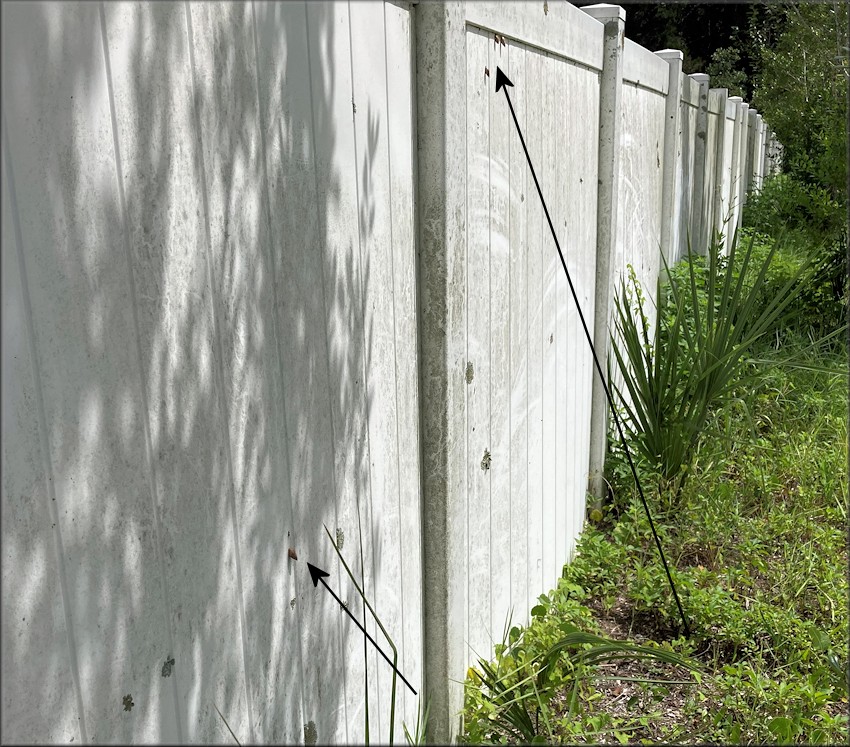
[
  {"x": 511, "y": 697},
  {"x": 418, "y": 736}
]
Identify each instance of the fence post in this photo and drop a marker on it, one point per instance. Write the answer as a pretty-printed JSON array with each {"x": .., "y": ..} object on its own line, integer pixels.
[
  {"x": 766, "y": 167},
  {"x": 743, "y": 139},
  {"x": 610, "y": 96},
  {"x": 765, "y": 137},
  {"x": 671, "y": 173},
  {"x": 723, "y": 220},
  {"x": 774, "y": 153},
  {"x": 720, "y": 165},
  {"x": 698, "y": 243},
  {"x": 441, "y": 157},
  {"x": 758, "y": 154},
  {"x": 752, "y": 141},
  {"x": 733, "y": 157}
]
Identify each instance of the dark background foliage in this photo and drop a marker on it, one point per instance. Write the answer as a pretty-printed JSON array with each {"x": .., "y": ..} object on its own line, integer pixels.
[{"x": 790, "y": 61}]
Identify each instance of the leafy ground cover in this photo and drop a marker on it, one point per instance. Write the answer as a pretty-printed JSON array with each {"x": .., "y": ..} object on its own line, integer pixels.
[{"x": 757, "y": 541}]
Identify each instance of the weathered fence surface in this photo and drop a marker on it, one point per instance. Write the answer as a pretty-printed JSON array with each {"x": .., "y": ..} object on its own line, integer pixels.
[
  {"x": 271, "y": 267},
  {"x": 209, "y": 341},
  {"x": 506, "y": 369}
]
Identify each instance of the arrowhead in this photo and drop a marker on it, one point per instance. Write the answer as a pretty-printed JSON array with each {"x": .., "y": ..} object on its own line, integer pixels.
[
  {"x": 316, "y": 573},
  {"x": 501, "y": 79}
]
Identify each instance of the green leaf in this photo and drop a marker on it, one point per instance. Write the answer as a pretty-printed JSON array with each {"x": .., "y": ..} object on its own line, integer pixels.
[
  {"x": 708, "y": 317},
  {"x": 538, "y": 611},
  {"x": 735, "y": 734},
  {"x": 818, "y": 736},
  {"x": 781, "y": 728},
  {"x": 820, "y": 640}
]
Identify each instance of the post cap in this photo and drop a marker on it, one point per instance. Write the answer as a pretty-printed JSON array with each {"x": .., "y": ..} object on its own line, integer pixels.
[
  {"x": 606, "y": 12},
  {"x": 671, "y": 54}
]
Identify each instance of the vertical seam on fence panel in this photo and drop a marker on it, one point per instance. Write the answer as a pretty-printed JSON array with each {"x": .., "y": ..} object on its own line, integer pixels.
[
  {"x": 509, "y": 458},
  {"x": 365, "y": 369},
  {"x": 417, "y": 300},
  {"x": 395, "y": 353},
  {"x": 466, "y": 326},
  {"x": 542, "y": 328},
  {"x": 527, "y": 356},
  {"x": 489, "y": 343},
  {"x": 325, "y": 321}
]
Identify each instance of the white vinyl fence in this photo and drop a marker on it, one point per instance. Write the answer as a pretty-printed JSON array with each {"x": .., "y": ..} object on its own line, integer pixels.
[
  {"x": 209, "y": 328},
  {"x": 270, "y": 268}
]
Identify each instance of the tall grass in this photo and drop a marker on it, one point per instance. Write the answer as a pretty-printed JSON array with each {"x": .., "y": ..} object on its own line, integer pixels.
[{"x": 386, "y": 635}]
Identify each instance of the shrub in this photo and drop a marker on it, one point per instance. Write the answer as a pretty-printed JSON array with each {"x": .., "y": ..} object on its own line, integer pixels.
[
  {"x": 814, "y": 226},
  {"x": 787, "y": 204}
]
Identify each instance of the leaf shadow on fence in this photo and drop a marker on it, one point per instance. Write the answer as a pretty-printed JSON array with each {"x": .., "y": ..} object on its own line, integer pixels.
[{"x": 198, "y": 381}]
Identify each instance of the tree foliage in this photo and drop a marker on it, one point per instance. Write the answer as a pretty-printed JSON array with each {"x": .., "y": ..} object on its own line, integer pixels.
[
  {"x": 708, "y": 34},
  {"x": 801, "y": 89},
  {"x": 724, "y": 71},
  {"x": 789, "y": 59}
]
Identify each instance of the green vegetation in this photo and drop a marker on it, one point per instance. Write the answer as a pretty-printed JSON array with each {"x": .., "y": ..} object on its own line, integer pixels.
[
  {"x": 801, "y": 89},
  {"x": 788, "y": 59},
  {"x": 677, "y": 376},
  {"x": 510, "y": 699},
  {"x": 756, "y": 538},
  {"x": 791, "y": 61},
  {"x": 418, "y": 736},
  {"x": 813, "y": 227},
  {"x": 724, "y": 72}
]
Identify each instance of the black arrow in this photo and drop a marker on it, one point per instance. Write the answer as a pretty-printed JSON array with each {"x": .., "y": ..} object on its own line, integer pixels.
[
  {"x": 317, "y": 574},
  {"x": 502, "y": 81}
]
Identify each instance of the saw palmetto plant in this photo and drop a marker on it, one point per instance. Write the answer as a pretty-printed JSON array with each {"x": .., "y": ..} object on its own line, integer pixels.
[{"x": 678, "y": 373}]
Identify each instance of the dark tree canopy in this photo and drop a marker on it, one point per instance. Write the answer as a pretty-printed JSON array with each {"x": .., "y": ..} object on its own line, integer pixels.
[
  {"x": 787, "y": 58},
  {"x": 714, "y": 37}
]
